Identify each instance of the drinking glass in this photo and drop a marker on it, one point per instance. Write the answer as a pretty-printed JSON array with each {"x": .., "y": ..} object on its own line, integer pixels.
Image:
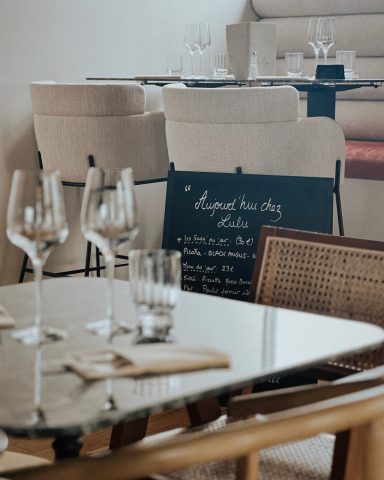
[
  {"x": 348, "y": 59},
  {"x": 109, "y": 219},
  {"x": 294, "y": 64},
  {"x": 174, "y": 64},
  {"x": 36, "y": 223},
  {"x": 191, "y": 41},
  {"x": 203, "y": 43},
  {"x": 313, "y": 39},
  {"x": 155, "y": 279},
  {"x": 326, "y": 34},
  {"x": 219, "y": 65}
]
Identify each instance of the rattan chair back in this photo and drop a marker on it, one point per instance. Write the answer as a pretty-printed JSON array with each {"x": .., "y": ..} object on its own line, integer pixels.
[{"x": 323, "y": 274}]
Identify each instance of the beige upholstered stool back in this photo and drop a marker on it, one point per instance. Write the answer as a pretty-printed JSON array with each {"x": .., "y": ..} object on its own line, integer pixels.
[
  {"x": 107, "y": 121},
  {"x": 312, "y": 272},
  {"x": 257, "y": 128}
]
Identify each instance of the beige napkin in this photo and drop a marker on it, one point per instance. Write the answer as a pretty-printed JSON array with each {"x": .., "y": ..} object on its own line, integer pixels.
[
  {"x": 138, "y": 360},
  {"x": 6, "y": 321}
]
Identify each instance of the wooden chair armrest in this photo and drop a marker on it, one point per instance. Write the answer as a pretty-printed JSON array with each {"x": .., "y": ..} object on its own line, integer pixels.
[{"x": 287, "y": 398}]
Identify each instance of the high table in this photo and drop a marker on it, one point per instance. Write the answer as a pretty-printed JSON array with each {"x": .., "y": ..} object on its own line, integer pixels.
[
  {"x": 321, "y": 93},
  {"x": 261, "y": 341}
]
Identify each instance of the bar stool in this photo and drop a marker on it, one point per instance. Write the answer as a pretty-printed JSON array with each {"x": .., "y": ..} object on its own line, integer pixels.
[{"x": 82, "y": 125}]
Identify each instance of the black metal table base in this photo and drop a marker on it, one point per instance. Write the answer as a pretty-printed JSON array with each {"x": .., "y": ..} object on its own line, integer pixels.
[{"x": 321, "y": 103}]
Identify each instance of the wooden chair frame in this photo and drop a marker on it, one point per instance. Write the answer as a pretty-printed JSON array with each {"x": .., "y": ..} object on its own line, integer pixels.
[{"x": 302, "y": 412}]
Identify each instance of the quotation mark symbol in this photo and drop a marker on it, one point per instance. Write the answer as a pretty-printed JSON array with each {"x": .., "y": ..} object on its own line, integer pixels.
[{"x": 187, "y": 188}]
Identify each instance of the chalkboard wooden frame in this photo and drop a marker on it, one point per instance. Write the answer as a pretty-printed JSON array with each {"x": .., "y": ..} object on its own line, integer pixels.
[{"x": 228, "y": 226}]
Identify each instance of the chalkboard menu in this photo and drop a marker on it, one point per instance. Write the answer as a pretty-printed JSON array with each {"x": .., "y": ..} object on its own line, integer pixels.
[{"x": 214, "y": 219}]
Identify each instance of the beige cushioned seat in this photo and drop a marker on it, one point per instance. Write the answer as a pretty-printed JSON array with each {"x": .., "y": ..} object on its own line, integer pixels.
[
  {"x": 110, "y": 122},
  {"x": 106, "y": 120},
  {"x": 255, "y": 128}
]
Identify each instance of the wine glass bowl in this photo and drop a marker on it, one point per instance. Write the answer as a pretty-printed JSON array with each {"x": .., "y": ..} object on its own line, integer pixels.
[
  {"x": 36, "y": 223},
  {"x": 109, "y": 220}
]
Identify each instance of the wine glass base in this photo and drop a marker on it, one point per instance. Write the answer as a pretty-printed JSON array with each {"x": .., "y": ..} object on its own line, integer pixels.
[
  {"x": 37, "y": 417},
  {"x": 35, "y": 336},
  {"x": 103, "y": 328},
  {"x": 109, "y": 405}
]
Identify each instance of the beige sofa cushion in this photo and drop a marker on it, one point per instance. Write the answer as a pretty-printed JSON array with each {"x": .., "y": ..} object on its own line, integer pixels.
[
  {"x": 297, "y": 8},
  {"x": 367, "y": 41},
  {"x": 80, "y": 99}
]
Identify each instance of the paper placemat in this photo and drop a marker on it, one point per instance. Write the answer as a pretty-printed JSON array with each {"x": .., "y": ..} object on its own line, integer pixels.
[
  {"x": 6, "y": 321},
  {"x": 144, "y": 360}
]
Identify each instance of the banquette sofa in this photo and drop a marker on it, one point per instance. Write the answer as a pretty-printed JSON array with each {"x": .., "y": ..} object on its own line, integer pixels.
[{"x": 359, "y": 26}]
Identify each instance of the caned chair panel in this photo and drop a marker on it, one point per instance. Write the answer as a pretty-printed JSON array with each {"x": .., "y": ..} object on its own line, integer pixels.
[
  {"x": 309, "y": 459},
  {"x": 323, "y": 274}
]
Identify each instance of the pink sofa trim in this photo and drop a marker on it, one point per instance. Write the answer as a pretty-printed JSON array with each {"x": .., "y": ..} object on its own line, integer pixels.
[{"x": 364, "y": 160}]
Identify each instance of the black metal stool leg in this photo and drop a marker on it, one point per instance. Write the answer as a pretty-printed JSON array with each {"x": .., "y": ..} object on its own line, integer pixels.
[
  {"x": 88, "y": 259},
  {"x": 98, "y": 261},
  {"x": 23, "y": 268}
]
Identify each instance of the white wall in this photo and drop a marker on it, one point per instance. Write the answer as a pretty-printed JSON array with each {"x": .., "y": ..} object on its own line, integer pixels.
[{"x": 69, "y": 40}]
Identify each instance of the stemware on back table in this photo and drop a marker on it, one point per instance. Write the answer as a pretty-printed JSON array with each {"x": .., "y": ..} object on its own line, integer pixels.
[
  {"x": 313, "y": 38},
  {"x": 203, "y": 43},
  {"x": 326, "y": 34},
  {"x": 191, "y": 40}
]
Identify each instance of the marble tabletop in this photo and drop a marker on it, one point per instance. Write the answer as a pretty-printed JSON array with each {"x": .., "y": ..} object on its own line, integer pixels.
[{"x": 260, "y": 341}]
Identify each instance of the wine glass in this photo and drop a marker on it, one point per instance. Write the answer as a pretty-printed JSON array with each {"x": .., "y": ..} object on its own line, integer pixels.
[
  {"x": 191, "y": 41},
  {"x": 326, "y": 34},
  {"x": 36, "y": 223},
  {"x": 203, "y": 43},
  {"x": 313, "y": 38},
  {"x": 109, "y": 219}
]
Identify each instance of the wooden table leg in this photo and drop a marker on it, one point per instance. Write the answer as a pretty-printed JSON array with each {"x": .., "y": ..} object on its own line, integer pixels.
[
  {"x": 204, "y": 411},
  {"x": 128, "y": 432}
]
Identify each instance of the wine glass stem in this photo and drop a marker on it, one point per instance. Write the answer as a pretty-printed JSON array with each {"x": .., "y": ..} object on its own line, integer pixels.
[
  {"x": 325, "y": 51},
  {"x": 192, "y": 67},
  {"x": 38, "y": 412},
  {"x": 316, "y": 56},
  {"x": 201, "y": 63},
  {"x": 38, "y": 272},
  {"x": 110, "y": 267}
]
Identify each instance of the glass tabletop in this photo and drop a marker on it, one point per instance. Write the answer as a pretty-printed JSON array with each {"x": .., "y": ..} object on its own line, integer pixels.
[
  {"x": 260, "y": 341},
  {"x": 302, "y": 82}
]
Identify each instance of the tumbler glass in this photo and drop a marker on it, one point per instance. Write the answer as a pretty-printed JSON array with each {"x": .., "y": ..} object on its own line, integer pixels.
[
  {"x": 219, "y": 65},
  {"x": 175, "y": 64},
  {"x": 155, "y": 280},
  {"x": 348, "y": 59},
  {"x": 294, "y": 64}
]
